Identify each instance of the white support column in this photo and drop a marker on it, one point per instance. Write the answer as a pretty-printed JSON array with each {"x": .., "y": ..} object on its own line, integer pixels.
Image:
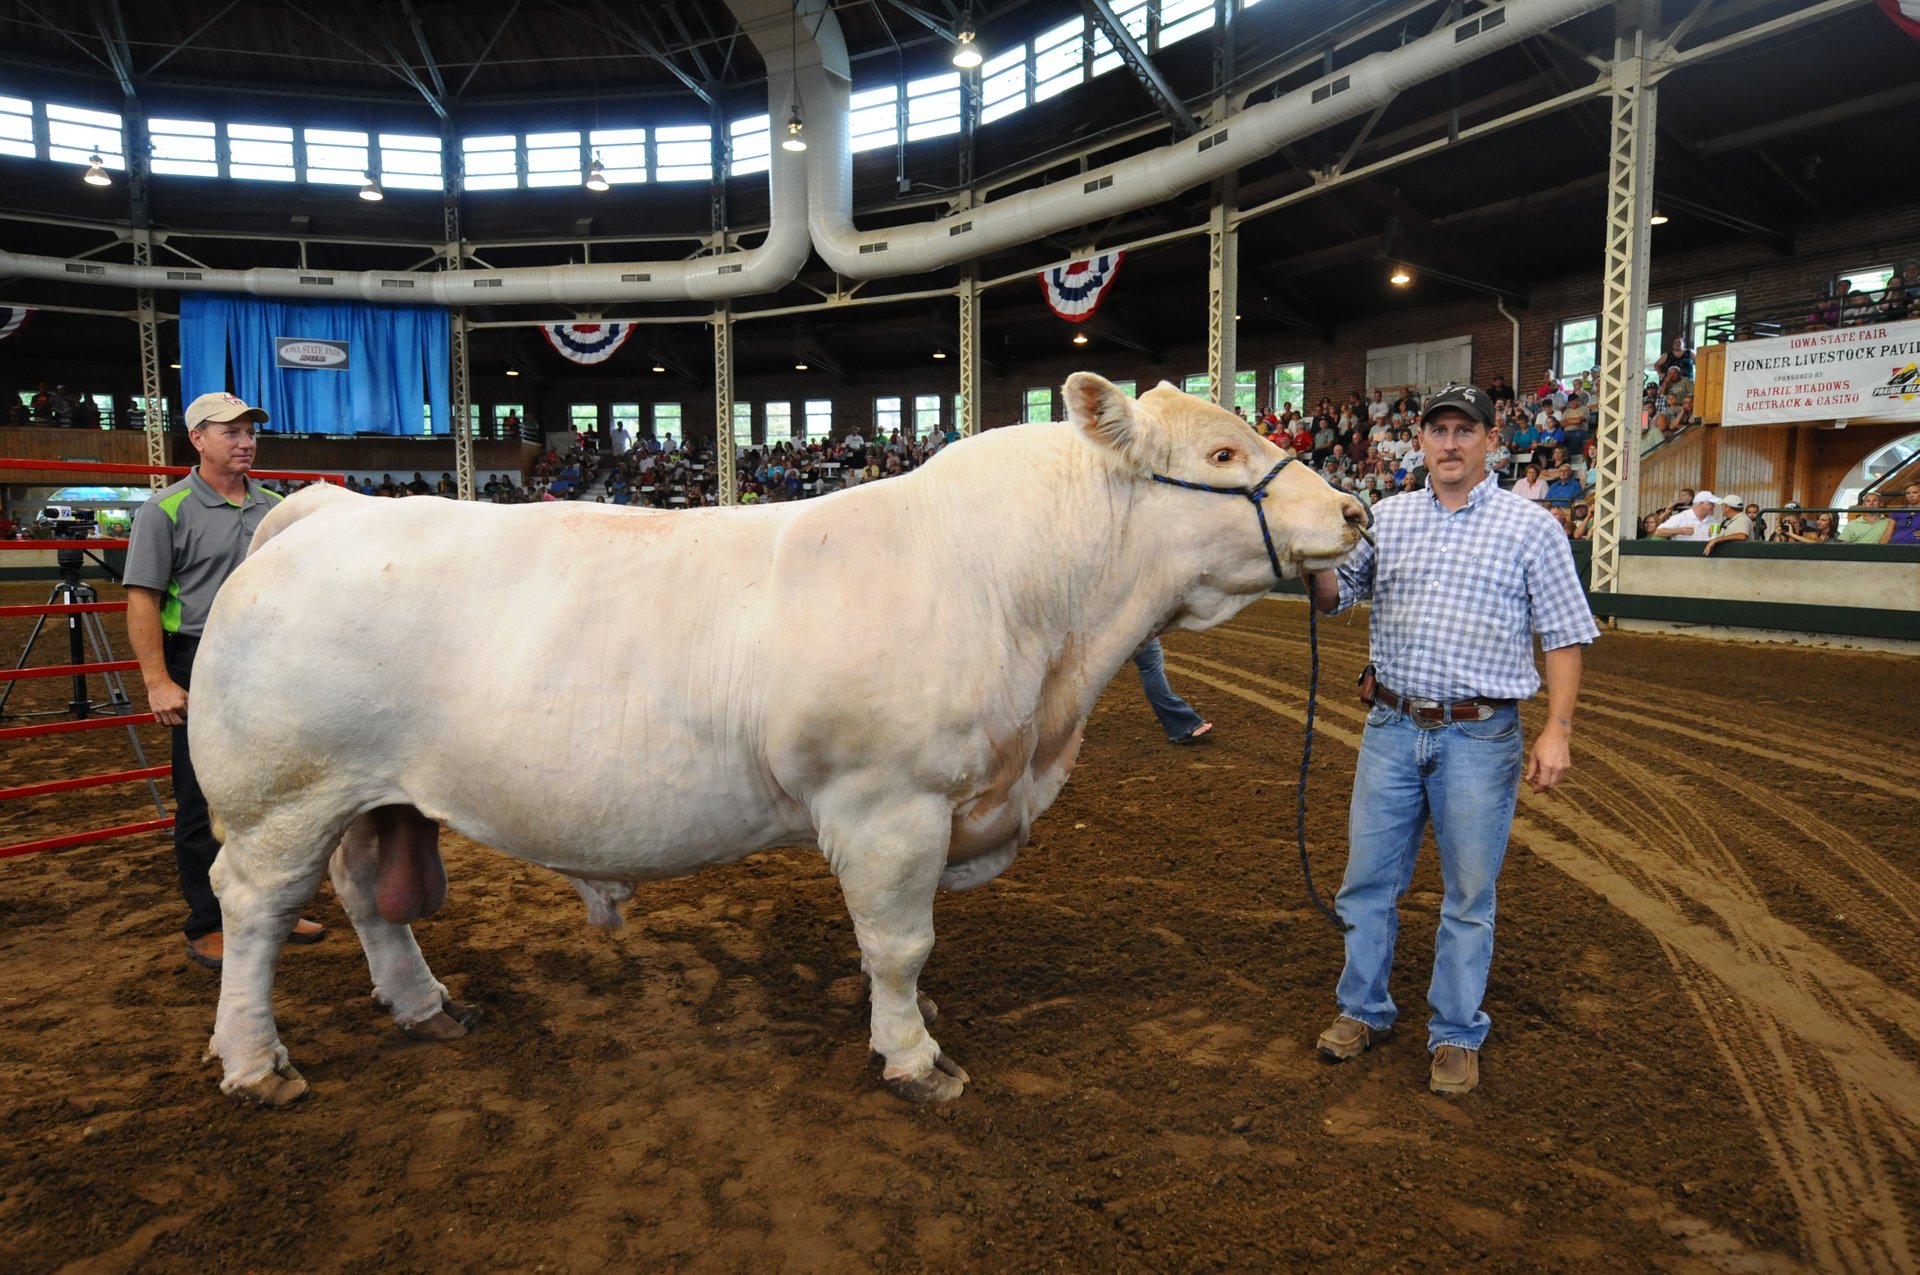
[
  {"x": 969, "y": 294},
  {"x": 146, "y": 311},
  {"x": 455, "y": 257},
  {"x": 723, "y": 449},
  {"x": 1223, "y": 294},
  {"x": 1623, "y": 298}
]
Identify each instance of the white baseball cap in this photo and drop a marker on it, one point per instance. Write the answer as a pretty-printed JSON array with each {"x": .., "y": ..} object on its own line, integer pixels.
[
  {"x": 211, "y": 408},
  {"x": 1734, "y": 501},
  {"x": 1705, "y": 498}
]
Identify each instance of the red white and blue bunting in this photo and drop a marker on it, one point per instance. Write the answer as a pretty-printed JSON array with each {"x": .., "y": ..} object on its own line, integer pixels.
[
  {"x": 1906, "y": 16},
  {"x": 1074, "y": 291},
  {"x": 11, "y": 317},
  {"x": 587, "y": 342}
]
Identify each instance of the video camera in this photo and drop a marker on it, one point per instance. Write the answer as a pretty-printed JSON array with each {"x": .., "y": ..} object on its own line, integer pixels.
[{"x": 64, "y": 522}]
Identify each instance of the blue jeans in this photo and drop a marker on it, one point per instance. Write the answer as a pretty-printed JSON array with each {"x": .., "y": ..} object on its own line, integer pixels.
[
  {"x": 1465, "y": 777},
  {"x": 1176, "y": 716}
]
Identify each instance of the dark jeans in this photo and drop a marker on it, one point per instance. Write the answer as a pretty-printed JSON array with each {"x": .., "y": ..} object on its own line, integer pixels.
[{"x": 194, "y": 848}]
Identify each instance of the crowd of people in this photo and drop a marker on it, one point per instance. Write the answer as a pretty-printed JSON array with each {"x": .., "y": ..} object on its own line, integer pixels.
[{"x": 61, "y": 408}]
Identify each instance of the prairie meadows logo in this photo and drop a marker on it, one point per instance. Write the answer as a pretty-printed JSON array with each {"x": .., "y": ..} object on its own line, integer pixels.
[{"x": 1904, "y": 384}]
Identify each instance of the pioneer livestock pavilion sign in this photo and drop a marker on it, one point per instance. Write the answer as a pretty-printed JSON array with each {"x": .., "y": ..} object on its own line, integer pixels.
[{"x": 1870, "y": 372}]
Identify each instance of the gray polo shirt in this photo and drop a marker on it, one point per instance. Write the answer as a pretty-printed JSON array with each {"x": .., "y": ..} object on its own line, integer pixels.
[{"x": 186, "y": 540}]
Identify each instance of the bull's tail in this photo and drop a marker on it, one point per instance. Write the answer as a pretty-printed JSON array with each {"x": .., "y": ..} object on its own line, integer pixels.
[{"x": 310, "y": 500}]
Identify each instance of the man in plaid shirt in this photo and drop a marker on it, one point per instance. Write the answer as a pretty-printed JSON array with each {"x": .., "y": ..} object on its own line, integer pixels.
[{"x": 1466, "y": 575}]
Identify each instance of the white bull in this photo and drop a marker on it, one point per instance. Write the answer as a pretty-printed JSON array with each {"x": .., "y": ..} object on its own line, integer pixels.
[{"x": 378, "y": 668}]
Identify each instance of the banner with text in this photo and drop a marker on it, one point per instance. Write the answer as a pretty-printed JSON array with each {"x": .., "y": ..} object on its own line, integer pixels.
[{"x": 1871, "y": 372}]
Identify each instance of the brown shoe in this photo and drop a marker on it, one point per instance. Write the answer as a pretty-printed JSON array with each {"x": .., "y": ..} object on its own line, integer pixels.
[
  {"x": 305, "y": 931},
  {"x": 1347, "y": 1038},
  {"x": 1455, "y": 1070},
  {"x": 207, "y": 950}
]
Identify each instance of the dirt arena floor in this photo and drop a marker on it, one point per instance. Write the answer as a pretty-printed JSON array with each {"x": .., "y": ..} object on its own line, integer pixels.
[{"x": 1705, "y": 1054}]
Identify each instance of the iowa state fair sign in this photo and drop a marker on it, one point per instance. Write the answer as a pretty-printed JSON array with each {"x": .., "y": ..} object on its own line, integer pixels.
[
  {"x": 1871, "y": 372},
  {"x": 296, "y": 351}
]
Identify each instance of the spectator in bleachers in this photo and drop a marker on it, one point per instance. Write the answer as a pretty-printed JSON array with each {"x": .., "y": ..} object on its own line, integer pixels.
[
  {"x": 1564, "y": 490},
  {"x": 1906, "y": 525},
  {"x": 1895, "y": 304},
  {"x": 1677, "y": 356},
  {"x": 1691, "y": 523},
  {"x": 1500, "y": 392},
  {"x": 446, "y": 486},
  {"x": 1580, "y": 520},
  {"x": 1532, "y": 486},
  {"x": 1825, "y": 530},
  {"x": 1859, "y": 309},
  {"x": 1732, "y": 526},
  {"x": 1867, "y": 525}
]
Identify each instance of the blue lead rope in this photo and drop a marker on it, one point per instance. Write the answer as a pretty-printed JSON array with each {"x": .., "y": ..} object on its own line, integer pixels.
[{"x": 1257, "y": 494}]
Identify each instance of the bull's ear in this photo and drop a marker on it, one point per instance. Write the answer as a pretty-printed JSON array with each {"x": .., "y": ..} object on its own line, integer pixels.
[{"x": 1096, "y": 406}]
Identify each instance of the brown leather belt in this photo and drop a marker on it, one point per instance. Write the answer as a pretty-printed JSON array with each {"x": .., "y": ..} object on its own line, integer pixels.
[{"x": 1477, "y": 709}]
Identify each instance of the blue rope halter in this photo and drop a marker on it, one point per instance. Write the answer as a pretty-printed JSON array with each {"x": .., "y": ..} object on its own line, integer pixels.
[{"x": 1258, "y": 495}]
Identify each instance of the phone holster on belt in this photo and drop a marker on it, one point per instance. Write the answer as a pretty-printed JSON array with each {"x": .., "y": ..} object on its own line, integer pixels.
[{"x": 1367, "y": 682}]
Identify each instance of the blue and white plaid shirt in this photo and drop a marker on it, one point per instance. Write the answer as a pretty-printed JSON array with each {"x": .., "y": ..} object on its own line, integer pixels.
[{"x": 1458, "y": 597}]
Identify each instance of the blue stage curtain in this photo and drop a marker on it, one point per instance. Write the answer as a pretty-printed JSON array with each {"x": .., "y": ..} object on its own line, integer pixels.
[{"x": 399, "y": 358}]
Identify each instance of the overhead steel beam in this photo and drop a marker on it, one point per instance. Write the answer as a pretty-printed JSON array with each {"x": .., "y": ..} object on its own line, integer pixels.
[
  {"x": 487, "y": 50},
  {"x": 625, "y": 30},
  {"x": 1101, "y": 13},
  {"x": 193, "y": 35},
  {"x": 1668, "y": 59},
  {"x": 404, "y": 69},
  {"x": 1474, "y": 268},
  {"x": 426, "y": 51},
  {"x": 1890, "y": 99},
  {"x": 112, "y": 26}
]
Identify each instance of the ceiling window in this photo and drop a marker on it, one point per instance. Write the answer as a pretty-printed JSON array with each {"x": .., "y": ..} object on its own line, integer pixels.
[
  {"x": 933, "y": 106},
  {"x": 1059, "y": 59},
  {"x": 1867, "y": 279},
  {"x": 183, "y": 148},
  {"x": 819, "y": 419},
  {"x": 1133, "y": 18},
  {"x": 1182, "y": 18},
  {"x": 491, "y": 163},
  {"x": 335, "y": 157},
  {"x": 622, "y": 153},
  {"x": 16, "y": 127},
  {"x": 874, "y": 117},
  {"x": 683, "y": 153},
  {"x": 410, "y": 162},
  {"x": 260, "y": 152},
  {"x": 75, "y": 136},
  {"x": 553, "y": 159},
  {"x": 1003, "y": 84},
  {"x": 1703, "y": 310},
  {"x": 751, "y": 146}
]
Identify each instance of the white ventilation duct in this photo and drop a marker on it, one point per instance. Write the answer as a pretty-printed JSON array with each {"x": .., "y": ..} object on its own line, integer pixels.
[
  {"x": 767, "y": 268},
  {"x": 1132, "y": 183}
]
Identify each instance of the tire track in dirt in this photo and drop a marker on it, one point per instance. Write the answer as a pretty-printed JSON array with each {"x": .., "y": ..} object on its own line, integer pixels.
[{"x": 1784, "y": 1011}]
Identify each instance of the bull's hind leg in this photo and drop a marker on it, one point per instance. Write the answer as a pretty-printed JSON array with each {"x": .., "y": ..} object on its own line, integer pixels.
[
  {"x": 888, "y": 855},
  {"x": 263, "y": 876},
  {"x": 387, "y": 872}
]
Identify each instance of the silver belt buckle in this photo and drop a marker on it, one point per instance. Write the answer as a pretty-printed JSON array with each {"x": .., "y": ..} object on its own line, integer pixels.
[{"x": 1414, "y": 707}]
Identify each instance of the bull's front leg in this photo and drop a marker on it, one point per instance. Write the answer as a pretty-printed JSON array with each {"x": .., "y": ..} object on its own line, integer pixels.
[{"x": 888, "y": 854}]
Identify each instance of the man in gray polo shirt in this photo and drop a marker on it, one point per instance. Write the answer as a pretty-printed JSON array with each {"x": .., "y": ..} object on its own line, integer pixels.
[{"x": 186, "y": 540}]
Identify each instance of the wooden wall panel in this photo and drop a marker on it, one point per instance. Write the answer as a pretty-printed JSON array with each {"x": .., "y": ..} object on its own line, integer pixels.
[
  {"x": 1754, "y": 462},
  {"x": 1677, "y": 465},
  {"x": 1709, "y": 382}
]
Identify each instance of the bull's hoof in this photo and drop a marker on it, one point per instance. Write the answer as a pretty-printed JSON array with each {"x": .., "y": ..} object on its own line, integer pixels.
[
  {"x": 944, "y": 1081},
  {"x": 450, "y": 1023},
  {"x": 928, "y": 1010},
  {"x": 277, "y": 1088}
]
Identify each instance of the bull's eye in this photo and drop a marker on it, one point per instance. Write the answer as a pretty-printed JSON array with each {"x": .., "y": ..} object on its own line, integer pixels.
[{"x": 1223, "y": 456}]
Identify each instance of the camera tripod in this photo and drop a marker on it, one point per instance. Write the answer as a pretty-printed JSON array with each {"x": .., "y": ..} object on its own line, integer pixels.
[{"x": 84, "y": 629}]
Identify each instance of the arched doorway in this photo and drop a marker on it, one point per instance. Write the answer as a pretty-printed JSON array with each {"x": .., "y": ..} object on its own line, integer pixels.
[{"x": 1888, "y": 467}]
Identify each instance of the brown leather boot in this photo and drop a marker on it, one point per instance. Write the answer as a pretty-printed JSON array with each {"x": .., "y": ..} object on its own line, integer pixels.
[
  {"x": 1347, "y": 1038},
  {"x": 1455, "y": 1070},
  {"x": 207, "y": 950},
  {"x": 305, "y": 931}
]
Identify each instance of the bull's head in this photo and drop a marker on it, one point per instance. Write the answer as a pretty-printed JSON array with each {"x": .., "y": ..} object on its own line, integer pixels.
[{"x": 1213, "y": 540}]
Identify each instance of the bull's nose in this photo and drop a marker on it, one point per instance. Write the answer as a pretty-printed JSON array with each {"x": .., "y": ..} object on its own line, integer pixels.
[{"x": 1356, "y": 513}]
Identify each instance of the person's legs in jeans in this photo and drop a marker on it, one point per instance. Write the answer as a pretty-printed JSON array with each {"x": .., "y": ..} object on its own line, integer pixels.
[
  {"x": 194, "y": 848},
  {"x": 1388, "y": 814},
  {"x": 1176, "y": 716},
  {"x": 1472, "y": 789}
]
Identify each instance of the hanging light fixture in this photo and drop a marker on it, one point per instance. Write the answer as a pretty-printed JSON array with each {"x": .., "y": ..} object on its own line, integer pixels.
[
  {"x": 939, "y": 354},
  {"x": 596, "y": 175},
  {"x": 96, "y": 174},
  {"x": 796, "y": 127},
  {"x": 1400, "y": 277},
  {"x": 371, "y": 192},
  {"x": 966, "y": 54},
  {"x": 513, "y": 371},
  {"x": 799, "y": 367},
  {"x": 659, "y": 367},
  {"x": 1079, "y": 338},
  {"x": 1658, "y": 219}
]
